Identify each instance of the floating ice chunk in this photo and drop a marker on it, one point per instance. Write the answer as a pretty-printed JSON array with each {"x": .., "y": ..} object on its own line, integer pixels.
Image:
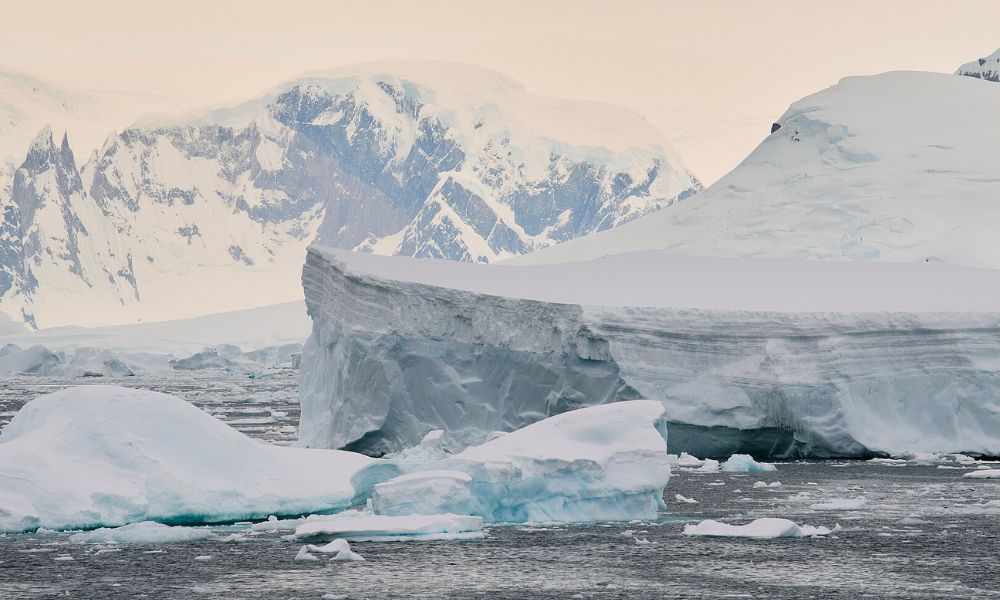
[
  {"x": 840, "y": 504},
  {"x": 304, "y": 555},
  {"x": 983, "y": 474},
  {"x": 348, "y": 555},
  {"x": 764, "y": 484},
  {"x": 100, "y": 455},
  {"x": 334, "y": 547},
  {"x": 767, "y": 528},
  {"x": 686, "y": 460},
  {"x": 643, "y": 541},
  {"x": 601, "y": 463},
  {"x": 333, "y": 597},
  {"x": 146, "y": 532},
  {"x": 685, "y": 500},
  {"x": 273, "y": 523},
  {"x": 913, "y": 521},
  {"x": 204, "y": 557},
  {"x": 934, "y": 457},
  {"x": 744, "y": 463},
  {"x": 363, "y": 526}
]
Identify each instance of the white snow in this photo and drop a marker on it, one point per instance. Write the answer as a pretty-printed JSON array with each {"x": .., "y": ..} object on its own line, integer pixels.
[
  {"x": 95, "y": 456},
  {"x": 742, "y": 463},
  {"x": 144, "y": 532},
  {"x": 601, "y": 463},
  {"x": 364, "y": 526},
  {"x": 766, "y": 528}
]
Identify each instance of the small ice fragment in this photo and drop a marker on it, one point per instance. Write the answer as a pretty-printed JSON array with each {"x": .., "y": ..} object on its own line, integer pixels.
[
  {"x": 627, "y": 532},
  {"x": 685, "y": 500},
  {"x": 840, "y": 504},
  {"x": 304, "y": 555},
  {"x": 767, "y": 528},
  {"x": 760, "y": 484},
  {"x": 203, "y": 557},
  {"x": 744, "y": 463},
  {"x": 642, "y": 541}
]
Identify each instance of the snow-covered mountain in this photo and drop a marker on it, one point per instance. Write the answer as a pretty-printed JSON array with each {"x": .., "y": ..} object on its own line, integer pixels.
[
  {"x": 897, "y": 167},
  {"x": 987, "y": 68},
  {"x": 213, "y": 211}
]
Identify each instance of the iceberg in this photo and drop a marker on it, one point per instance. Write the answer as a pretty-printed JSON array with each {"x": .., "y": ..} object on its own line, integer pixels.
[
  {"x": 761, "y": 529},
  {"x": 364, "y": 526},
  {"x": 94, "y": 456},
  {"x": 742, "y": 463},
  {"x": 602, "y": 463},
  {"x": 767, "y": 357},
  {"x": 983, "y": 474}
]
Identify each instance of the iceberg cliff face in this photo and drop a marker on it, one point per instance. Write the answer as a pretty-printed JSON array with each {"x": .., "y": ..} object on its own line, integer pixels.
[{"x": 771, "y": 357}]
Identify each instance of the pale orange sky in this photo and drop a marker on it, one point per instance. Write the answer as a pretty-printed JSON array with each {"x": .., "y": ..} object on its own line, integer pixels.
[{"x": 712, "y": 75}]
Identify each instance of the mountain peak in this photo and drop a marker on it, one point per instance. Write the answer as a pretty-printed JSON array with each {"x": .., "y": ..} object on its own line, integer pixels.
[{"x": 986, "y": 68}]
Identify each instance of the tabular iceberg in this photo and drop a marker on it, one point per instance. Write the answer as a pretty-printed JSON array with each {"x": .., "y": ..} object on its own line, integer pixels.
[
  {"x": 106, "y": 456},
  {"x": 770, "y": 357},
  {"x": 602, "y": 463}
]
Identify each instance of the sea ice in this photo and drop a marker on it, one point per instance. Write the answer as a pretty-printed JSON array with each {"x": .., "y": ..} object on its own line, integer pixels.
[
  {"x": 96, "y": 456},
  {"x": 684, "y": 499},
  {"x": 145, "y": 532},
  {"x": 364, "y": 526},
  {"x": 840, "y": 504},
  {"x": 601, "y": 463},
  {"x": 767, "y": 528},
  {"x": 983, "y": 474},
  {"x": 743, "y": 463}
]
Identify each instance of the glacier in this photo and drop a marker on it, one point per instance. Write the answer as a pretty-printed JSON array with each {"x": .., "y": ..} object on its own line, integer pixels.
[
  {"x": 769, "y": 357},
  {"x": 414, "y": 158},
  {"x": 106, "y": 456},
  {"x": 600, "y": 463}
]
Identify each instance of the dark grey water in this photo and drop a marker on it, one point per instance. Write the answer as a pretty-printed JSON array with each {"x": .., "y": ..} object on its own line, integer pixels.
[{"x": 923, "y": 532}]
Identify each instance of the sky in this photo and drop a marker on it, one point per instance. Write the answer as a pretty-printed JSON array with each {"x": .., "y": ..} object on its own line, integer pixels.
[{"x": 712, "y": 76}]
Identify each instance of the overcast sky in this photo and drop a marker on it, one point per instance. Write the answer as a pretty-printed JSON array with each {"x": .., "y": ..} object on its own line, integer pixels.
[{"x": 712, "y": 75}]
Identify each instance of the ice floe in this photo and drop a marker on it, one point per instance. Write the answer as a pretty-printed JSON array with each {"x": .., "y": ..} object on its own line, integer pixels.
[
  {"x": 145, "y": 532},
  {"x": 744, "y": 463},
  {"x": 364, "y": 526},
  {"x": 766, "y": 528}
]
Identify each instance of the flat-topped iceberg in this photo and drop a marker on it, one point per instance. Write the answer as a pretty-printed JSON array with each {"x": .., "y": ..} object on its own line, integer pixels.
[
  {"x": 602, "y": 463},
  {"x": 96, "y": 456},
  {"x": 762, "y": 529},
  {"x": 768, "y": 357}
]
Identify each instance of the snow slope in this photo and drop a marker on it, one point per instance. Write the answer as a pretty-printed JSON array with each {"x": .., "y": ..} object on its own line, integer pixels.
[
  {"x": 212, "y": 211},
  {"x": 897, "y": 167},
  {"x": 94, "y": 456},
  {"x": 761, "y": 356},
  {"x": 987, "y": 68}
]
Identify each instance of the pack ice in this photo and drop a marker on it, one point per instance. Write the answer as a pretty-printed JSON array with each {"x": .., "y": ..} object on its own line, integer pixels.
[
  {"x": 602, "y": 463},
  {"x": 106, "y": 456}
]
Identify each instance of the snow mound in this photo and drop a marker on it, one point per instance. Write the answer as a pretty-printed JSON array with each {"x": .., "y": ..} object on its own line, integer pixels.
[
  {"x": 99, "y": 455},
  {"x": 765, "y": 529},
  {"x": 364, "y": 526},
  {"x": 743, "y": 463},
  {"x": 983, "y": 474},
  {"x": 144, "y": 532},
  {"x": 601, "y": 463}
]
